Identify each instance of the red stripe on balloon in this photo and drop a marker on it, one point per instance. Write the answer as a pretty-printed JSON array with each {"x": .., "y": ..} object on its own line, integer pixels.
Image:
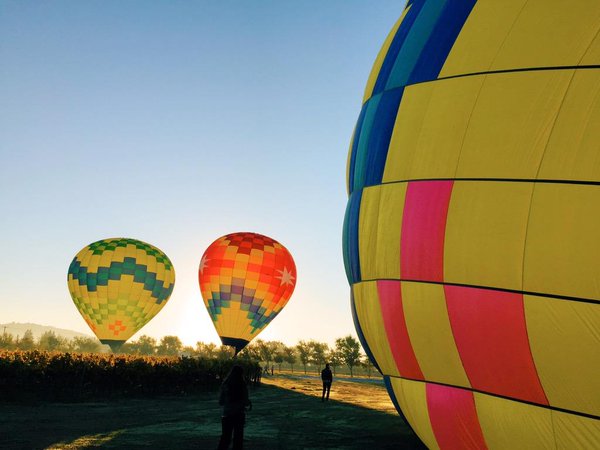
[
  {"x": 423, "y": 230},
  {"x": 454, "y": 418},
  {"x": 390, "y": 299},
  {"x": 491, "y": 336}
]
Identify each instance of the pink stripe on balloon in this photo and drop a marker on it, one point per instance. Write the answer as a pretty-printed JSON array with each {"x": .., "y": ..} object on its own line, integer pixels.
[
  {"x": 423, "y": 230},
  {"x": 390, "y": 299},
  {"x": 454, "y": 418},
  {"x": 491, "y": 336}
]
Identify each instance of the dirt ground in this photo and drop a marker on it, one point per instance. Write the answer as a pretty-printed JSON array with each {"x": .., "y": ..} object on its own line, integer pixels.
[{"x": 287, "y": 414}]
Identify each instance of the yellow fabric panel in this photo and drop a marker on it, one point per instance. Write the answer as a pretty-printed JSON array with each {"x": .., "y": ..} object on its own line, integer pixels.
[
  {"x": 380, "y": 223},
  {"x": 576, "y": 432},
  {"x": 366, "y": 302},
  {"x": 227, "y": 322},
  {"x": 485, "y": 233},
  {"x": 565, "y": 343},
  {"x": 507, "y": 424},
  {"x": 563, "y": 241},
  {"x": 432, "y": 116},
  {"x": 592, "y": 56},
  {"x": 549, "y": 35},
  {"x": 407, "y": 128},
  {"x": 511, "y": 124},
  {"x": 381, "y": 57},
  {"x": 412, "y": 398},
  {"x": 521, "y": 34},
  {"x": 431, "y": 335},
  {"x": 482, "y": 36},
  {"x": 573, "y": 151}
]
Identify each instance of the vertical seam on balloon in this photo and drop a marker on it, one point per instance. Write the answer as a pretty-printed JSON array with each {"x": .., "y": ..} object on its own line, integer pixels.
[
  {"x": 460, "y": 356},
  {"x": 388, "y": 40},
  {"x": 376, "y": 310},
  {"x": 353, "y": 226},
  {"x": 533, "y": 188},
  {"x": 537, "y": 374},
  {"x": 359, "y": 332},
  {"x": 443, "y": 244},
  {"x": 448, "y": 26},
  {"x": 553, "y": 428},
  {"x": 412, "y": 347},
  {"x": 390, "y": 388},
  {"x": 507, "y": 34},
  {"x": 396, "y": 44},
  {"x": 460, "y": 152},
  {"x": 478, "y": 420},
  {"x": 468, "y": 124},
  {"x": 589, "y": 46}
]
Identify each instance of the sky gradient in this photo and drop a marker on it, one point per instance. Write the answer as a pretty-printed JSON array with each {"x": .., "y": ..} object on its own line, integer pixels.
[{"x": 176, "y": 123}]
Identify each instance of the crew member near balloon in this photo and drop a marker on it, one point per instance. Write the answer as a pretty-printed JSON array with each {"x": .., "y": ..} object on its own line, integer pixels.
[
  {"x": 234, "y": 400},
  {"x": 327, "y": 378}
]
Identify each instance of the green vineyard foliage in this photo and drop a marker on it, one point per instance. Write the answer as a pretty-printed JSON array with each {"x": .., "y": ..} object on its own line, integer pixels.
[{"x": 64, "y": 376}]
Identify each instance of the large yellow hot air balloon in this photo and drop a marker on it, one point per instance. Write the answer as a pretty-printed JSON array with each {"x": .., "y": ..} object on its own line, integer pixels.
[
  {"x": 118, "y": 285},
  {"x": 472, "y": 232},
  {"x": 246, "y": 279}
]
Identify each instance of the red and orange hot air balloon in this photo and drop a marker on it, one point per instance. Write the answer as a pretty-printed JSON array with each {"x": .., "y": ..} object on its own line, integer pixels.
[{"x": 246, "y": 279}]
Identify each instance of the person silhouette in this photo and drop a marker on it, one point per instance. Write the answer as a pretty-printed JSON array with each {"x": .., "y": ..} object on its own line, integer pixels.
[
  {"x": 327, "y": 378},
  {"x": 234, "y": 400}
]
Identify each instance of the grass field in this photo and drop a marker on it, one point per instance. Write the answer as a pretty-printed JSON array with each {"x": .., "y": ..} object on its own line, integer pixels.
[{"x": 287, "y": 414}]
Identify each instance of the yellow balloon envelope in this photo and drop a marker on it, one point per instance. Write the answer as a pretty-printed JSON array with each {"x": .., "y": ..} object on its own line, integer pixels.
[
  {"x": 472, "y": 232},
  {"x": 118, "y": 285}
]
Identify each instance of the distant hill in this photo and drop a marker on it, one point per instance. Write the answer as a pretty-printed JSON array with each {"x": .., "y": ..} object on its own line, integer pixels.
[{"x": 19, "y": 329}]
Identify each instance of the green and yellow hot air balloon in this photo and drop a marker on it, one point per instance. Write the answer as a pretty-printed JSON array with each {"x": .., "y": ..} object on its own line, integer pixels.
[{"x": 118, "y": 285}]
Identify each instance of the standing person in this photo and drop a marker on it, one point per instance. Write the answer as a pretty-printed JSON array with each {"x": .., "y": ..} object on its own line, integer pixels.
[
  {"x": 234, "y": 400},
  {"x": 327, "y": 378}
]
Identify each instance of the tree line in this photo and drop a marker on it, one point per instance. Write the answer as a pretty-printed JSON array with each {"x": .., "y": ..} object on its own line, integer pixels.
[
  {"x": 345, "y": 353},
  {"x": 66, "y": 376}
]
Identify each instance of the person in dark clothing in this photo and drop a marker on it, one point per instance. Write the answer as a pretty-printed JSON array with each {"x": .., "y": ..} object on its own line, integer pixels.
[
  {"x": 327, "y": 378},
  {"x": 234, "y": 400}
]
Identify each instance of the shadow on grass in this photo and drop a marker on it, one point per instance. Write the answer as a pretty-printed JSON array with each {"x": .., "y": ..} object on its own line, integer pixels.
[{"x": 281, "y": 419}]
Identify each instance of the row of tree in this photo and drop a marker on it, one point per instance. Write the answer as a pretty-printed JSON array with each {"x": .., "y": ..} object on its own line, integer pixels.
[{"x": 345, "y": 353}]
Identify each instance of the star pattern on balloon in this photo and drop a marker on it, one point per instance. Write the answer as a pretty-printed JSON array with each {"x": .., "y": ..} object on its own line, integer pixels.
[
  {"x": 203, "y": 263},
  {"x": 286, "y": 277}
]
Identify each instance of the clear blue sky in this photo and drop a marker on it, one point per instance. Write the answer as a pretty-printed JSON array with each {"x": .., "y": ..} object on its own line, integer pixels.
[{"x": 175, "y": 122}]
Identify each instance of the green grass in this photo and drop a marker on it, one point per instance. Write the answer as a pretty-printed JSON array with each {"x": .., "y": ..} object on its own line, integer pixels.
[{"x": 287, "y": 414}]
